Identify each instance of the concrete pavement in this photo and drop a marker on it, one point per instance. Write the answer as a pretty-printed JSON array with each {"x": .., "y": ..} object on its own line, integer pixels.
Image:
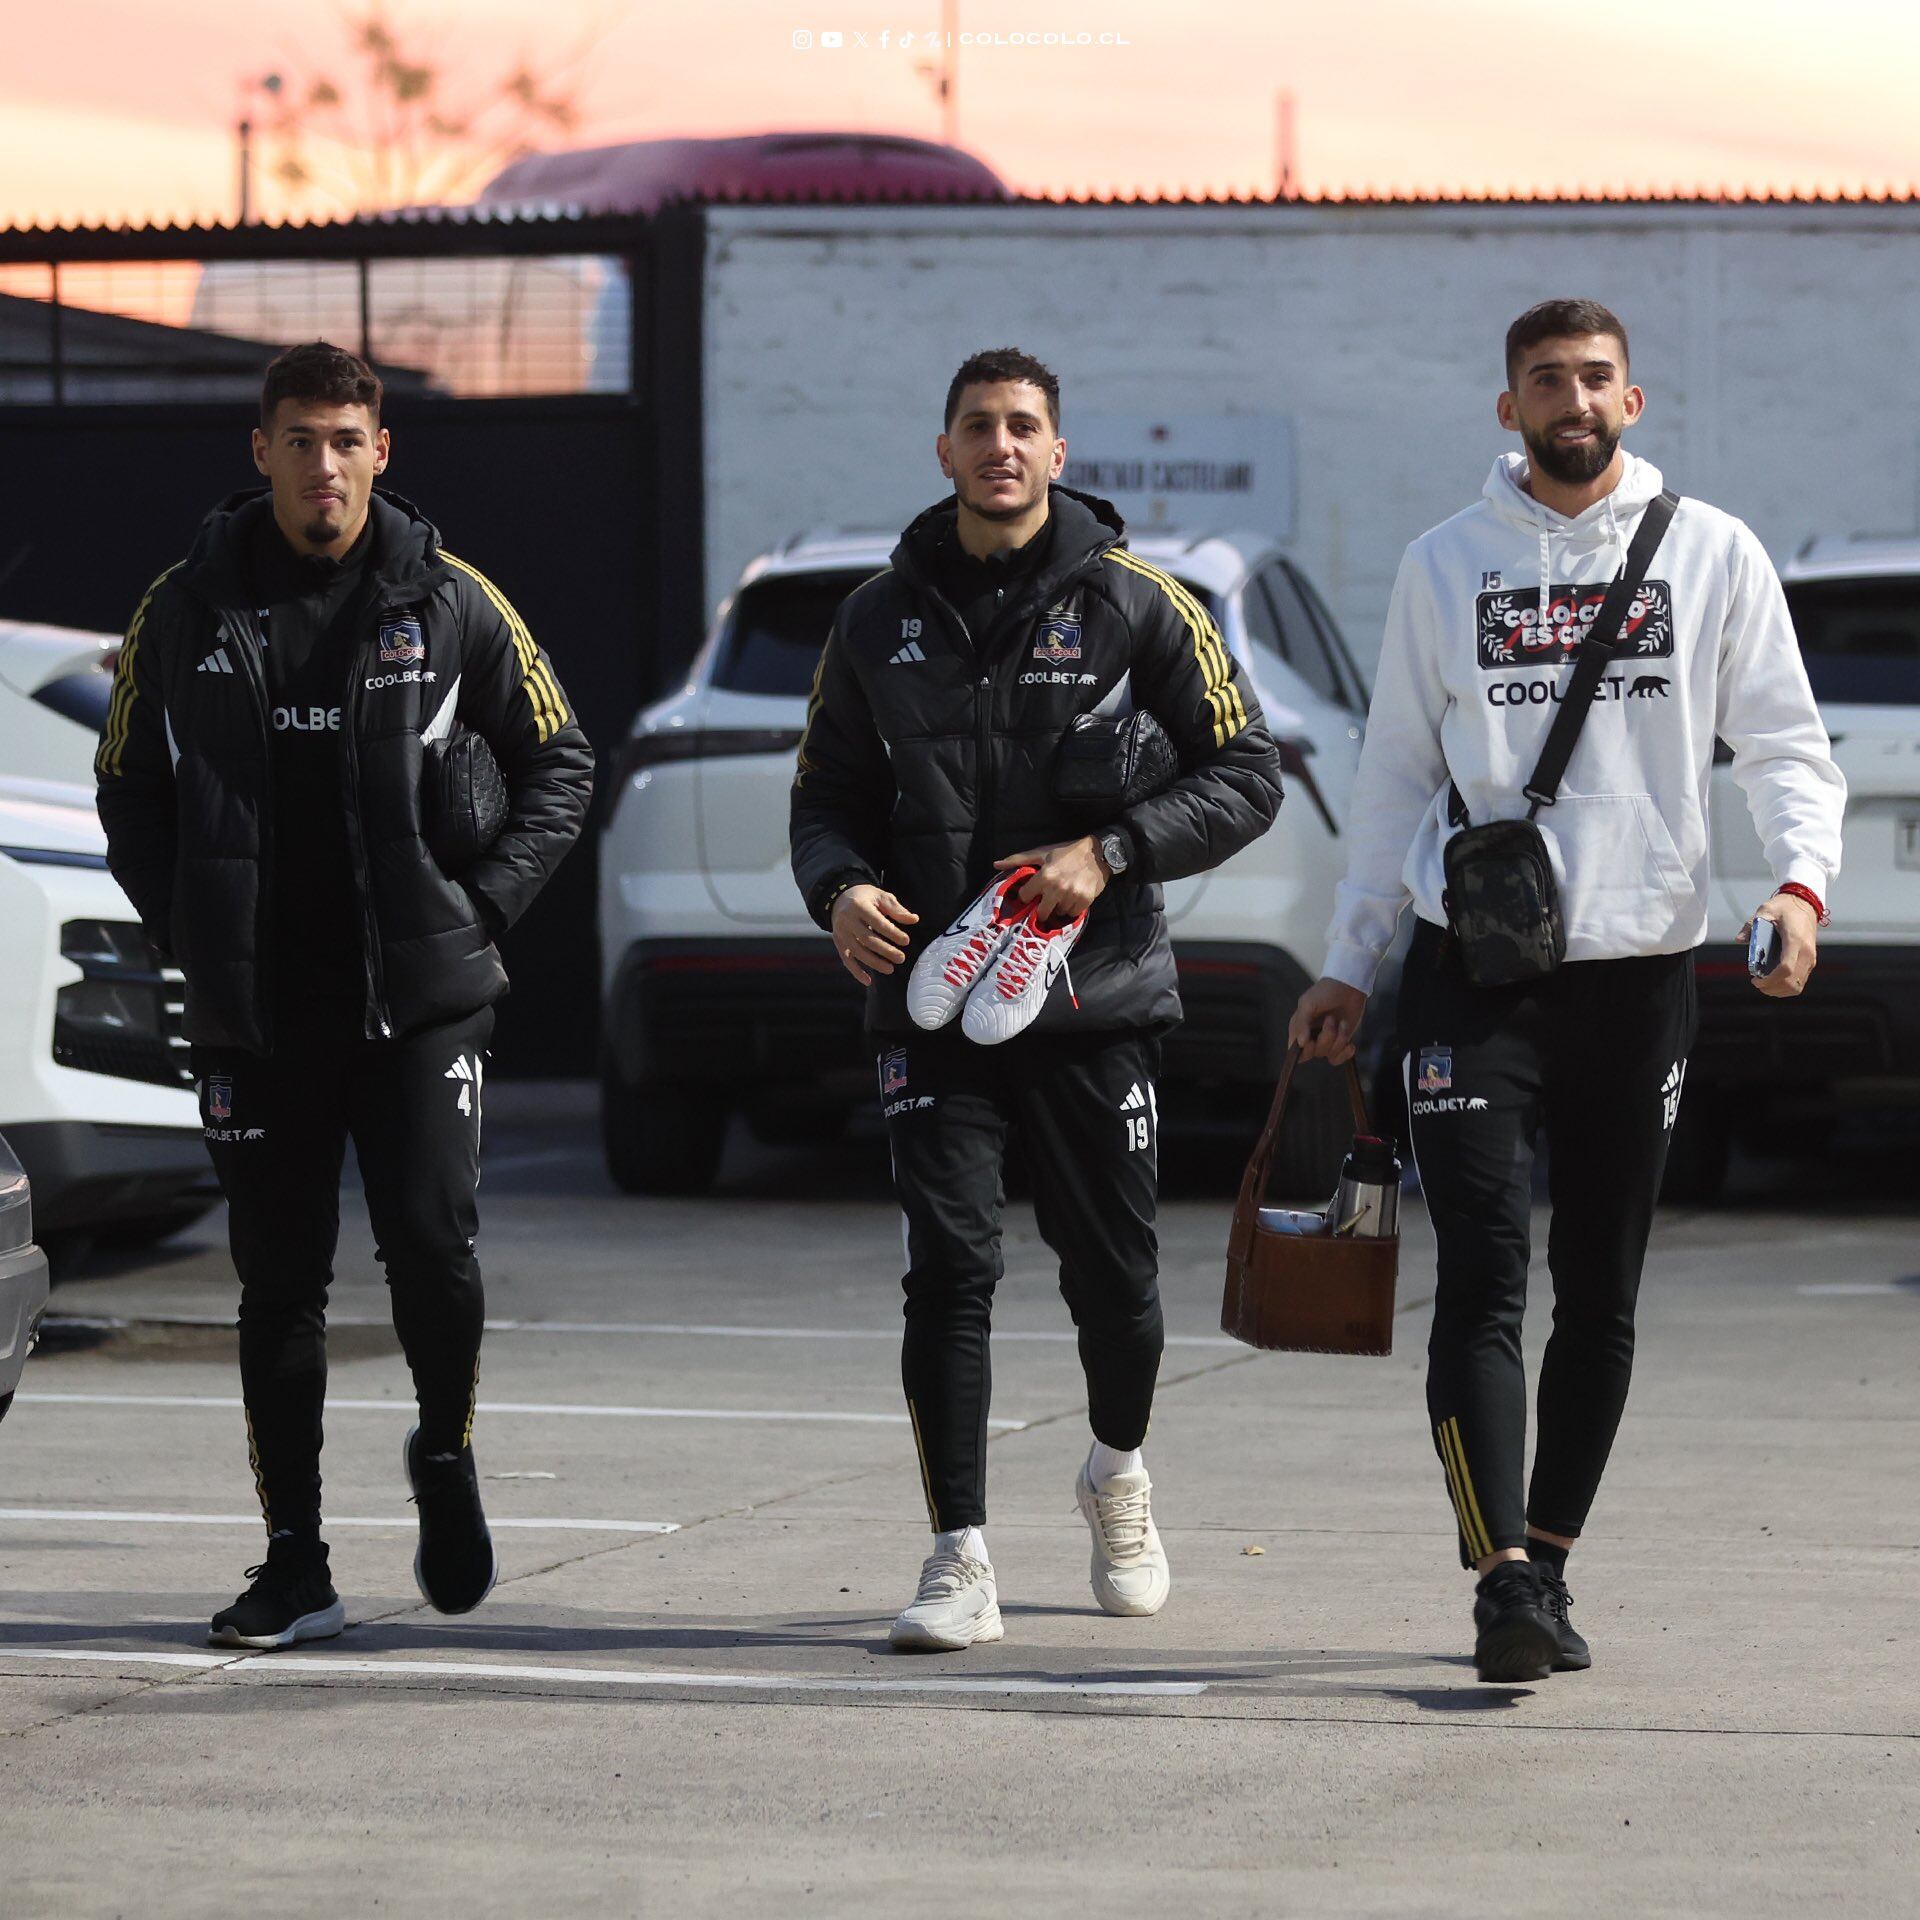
[{"x": 707, "y": 1719}]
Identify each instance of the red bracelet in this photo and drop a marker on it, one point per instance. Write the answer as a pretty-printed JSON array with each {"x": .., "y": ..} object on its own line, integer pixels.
[{"x": 1808, "y": 895}]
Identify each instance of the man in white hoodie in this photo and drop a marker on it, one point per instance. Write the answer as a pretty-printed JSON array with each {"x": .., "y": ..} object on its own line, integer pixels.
[{"x": 1486, "y": 619}]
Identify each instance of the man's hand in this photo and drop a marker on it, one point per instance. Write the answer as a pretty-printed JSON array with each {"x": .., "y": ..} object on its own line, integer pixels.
[
  {"x": 1799, "y": 944},
  {"x": 1326, "y": 1021},
  {"x": 870, "y": 930},
  {"x": 1072, "y": 877}
]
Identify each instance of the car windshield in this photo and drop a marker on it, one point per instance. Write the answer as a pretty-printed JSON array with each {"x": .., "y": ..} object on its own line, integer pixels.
[
  {"x": 779, "y": 624},
  {"x": 1860, "y": 639},
  {"x": 772, "y": 643}
]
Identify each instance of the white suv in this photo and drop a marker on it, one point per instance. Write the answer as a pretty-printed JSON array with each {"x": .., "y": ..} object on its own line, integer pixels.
[
  {"x": 95, "y": 1094},
  {"x": 719, "y": 995},
  {"x": 1853, "y": 1038}
]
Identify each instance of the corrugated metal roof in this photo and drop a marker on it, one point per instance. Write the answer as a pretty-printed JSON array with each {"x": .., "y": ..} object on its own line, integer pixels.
[{"x": 467, "y": 218}]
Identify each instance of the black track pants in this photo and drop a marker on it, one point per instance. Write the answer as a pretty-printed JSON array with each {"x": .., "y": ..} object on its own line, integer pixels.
[
  {"x": 1086, "y": 1115},
  {"x": 277, "y": 1129},
  {"x": 1594, "y": 1055}
]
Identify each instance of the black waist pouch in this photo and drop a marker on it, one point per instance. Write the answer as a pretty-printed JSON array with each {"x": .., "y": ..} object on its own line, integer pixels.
[
  {"x": 1102, "y": 765},
  {"x": 1503, "y": 903},
  {"x": 463, "y": 801}
]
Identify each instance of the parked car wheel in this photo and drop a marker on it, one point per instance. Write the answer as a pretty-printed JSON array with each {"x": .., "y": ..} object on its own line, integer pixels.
[{"x": 659, "y": 1136}]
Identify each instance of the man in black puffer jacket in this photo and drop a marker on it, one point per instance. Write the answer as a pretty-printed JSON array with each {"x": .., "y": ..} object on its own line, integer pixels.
[
  {"x": 262, "y": 782},
  {"x": 926, "y": 771}
]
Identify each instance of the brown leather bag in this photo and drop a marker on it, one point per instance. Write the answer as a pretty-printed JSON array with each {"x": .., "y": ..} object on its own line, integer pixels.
[{"x": 1305, "y": 1293}]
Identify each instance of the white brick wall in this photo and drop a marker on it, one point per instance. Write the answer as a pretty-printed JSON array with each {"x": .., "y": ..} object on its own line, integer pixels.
[{"x": 1776, "y": 346}]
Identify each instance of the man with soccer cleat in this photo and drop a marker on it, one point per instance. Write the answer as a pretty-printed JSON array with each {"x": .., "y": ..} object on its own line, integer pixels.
[{"x": 927, "y": 838}]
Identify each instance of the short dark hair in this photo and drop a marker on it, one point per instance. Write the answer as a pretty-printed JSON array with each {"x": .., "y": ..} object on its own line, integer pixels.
[
  {"x": 317, "y": 370},
  {"x": 996, "y": 366},
  {"x": 1561, "y": 320}
]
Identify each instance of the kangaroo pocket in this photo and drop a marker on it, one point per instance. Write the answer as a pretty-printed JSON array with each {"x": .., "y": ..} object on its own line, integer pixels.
[{"x": 1623, "y": 886}]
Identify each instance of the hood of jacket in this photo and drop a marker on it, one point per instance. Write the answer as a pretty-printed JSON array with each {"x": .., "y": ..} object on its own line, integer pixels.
[
  {"x": 1084, "y": 527},
  {"x": 1608, "y": 523},
  {"x": 405, "y": 563}
]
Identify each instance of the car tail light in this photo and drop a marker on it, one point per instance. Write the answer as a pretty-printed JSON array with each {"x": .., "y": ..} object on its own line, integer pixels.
[{"x": 641, "y": 751}]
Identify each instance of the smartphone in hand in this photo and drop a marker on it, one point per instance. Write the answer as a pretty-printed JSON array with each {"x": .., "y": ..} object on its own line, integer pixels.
[{"x": 1763, "y": 947}]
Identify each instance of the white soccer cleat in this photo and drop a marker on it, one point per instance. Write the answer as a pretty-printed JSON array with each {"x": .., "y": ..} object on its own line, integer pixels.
[
  {"x": 951, "y": 966},
  {"x": 1015, "y": 985},
  {"x": 1129, "y": 1564},
  {"x": 956, "y": 1606}
]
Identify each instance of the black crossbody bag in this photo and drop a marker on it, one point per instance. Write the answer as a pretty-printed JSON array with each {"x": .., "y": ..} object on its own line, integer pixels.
[{"x": 1502, "y": 904}]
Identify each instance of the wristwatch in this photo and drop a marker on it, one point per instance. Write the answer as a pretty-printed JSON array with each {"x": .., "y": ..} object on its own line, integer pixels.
[{"x": 1116, "y": 849}]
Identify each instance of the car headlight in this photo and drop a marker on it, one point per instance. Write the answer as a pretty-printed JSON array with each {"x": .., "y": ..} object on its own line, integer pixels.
[
  {"x": 16, "y": 1203},
  {"x": 123, "y": 1018}
]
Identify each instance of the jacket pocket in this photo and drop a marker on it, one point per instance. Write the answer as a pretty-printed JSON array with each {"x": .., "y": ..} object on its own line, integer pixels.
[{"x": 1622, "y": 881}]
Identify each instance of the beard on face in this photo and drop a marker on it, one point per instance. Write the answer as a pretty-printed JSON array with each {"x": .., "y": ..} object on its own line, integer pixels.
[
  {"x": 997, "y": 512},
  {"x": 1572, "y": 465}
]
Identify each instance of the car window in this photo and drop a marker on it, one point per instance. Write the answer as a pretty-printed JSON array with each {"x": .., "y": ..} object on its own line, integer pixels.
[
  {"x": 1860, "y": 639},
  {"x": 1335, "y": 640},
  {"x": 1263, "y": 624},
  {"x": 779, "y": 625},
  {"x": 81, "y": 696},
  {"x": 1301, "y": 645}
]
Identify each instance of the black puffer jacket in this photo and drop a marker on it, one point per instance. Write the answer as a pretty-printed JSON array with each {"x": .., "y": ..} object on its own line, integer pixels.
[
  {"x": 186, "y": 790},
  {"x": 928, "y": 751}
]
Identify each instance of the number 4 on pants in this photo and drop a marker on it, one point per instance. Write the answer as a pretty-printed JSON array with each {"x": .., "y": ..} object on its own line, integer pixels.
[{"x": 468, "y": 1073}]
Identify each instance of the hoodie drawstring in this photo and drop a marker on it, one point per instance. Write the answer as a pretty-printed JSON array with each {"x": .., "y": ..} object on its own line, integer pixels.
[{"x": 1544, "y": 616}]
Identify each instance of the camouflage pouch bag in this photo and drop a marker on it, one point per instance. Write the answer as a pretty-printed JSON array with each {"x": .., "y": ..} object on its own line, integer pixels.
[{"x": 1502, "y": 901}]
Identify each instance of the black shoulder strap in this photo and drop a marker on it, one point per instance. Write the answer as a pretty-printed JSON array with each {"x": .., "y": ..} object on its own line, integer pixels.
[{"x": 1598, "y": 651}]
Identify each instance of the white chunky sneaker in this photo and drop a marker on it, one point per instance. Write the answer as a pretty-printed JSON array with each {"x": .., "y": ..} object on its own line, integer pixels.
[
  {"x": 957, "y": 1605},
  {"x": 951, "y": 966},
  {"x": 1129, "y": 1564},
  {"x": 1015, "y": 986}
]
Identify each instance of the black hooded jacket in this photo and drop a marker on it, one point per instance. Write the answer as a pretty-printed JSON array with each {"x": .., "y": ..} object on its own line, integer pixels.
[
  {"x": 186, "y": 777},
  {"x": 928, "y": 751}
]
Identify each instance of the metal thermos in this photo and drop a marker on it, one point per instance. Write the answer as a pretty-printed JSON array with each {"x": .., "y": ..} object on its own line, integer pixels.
[{"x": 1366, "y": 1204}]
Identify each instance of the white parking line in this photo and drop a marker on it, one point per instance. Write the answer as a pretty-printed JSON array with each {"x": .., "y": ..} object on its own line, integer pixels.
[
  {"x": 254, "y": 1665},
  {"x": 1835, "y": 1289},
  {"x": 659, "y": 1328},
  {"x": 115, "y": 1516},
  {"x": 558, "y": 1408}
]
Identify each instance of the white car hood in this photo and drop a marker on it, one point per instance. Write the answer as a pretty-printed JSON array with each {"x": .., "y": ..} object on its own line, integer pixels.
[
  {"x": 50, "y": 816},
  {"x": 30, "y": 656}
]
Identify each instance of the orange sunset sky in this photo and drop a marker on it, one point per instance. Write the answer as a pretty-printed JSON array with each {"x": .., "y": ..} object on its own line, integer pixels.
[{"x": 124, "y": 109}]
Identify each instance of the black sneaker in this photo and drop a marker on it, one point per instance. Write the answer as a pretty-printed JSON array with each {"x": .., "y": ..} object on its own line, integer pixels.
[
  {"x": 1515, "y": 1638},
  {"x": 292, "y": 1598},
  {"x": 454, "y": 1565},
  {"x": 1574, "y": 1655}
]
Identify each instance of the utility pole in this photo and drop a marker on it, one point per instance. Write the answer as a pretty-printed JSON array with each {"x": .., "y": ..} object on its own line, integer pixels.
[
  {"x": 267, "y": 83},
  {"x": 950, "y": 73},
  {"x": 944, "y": 74},
  {"x": 1286, "y": 161}
]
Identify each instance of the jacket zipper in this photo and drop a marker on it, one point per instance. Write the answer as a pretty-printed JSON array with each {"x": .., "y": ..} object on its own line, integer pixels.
[
  {"x": 983, "y": 734},
  {"x": 376, "y": 1008},
  {"x": 243, "y": 633}
]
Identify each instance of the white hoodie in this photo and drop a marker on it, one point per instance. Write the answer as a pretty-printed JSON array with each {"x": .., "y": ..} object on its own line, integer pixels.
[{"x": 1466, "y": 692}]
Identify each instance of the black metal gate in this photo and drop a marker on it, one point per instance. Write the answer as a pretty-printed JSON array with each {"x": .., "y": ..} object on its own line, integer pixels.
[{"x": 122, "y": 429}]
